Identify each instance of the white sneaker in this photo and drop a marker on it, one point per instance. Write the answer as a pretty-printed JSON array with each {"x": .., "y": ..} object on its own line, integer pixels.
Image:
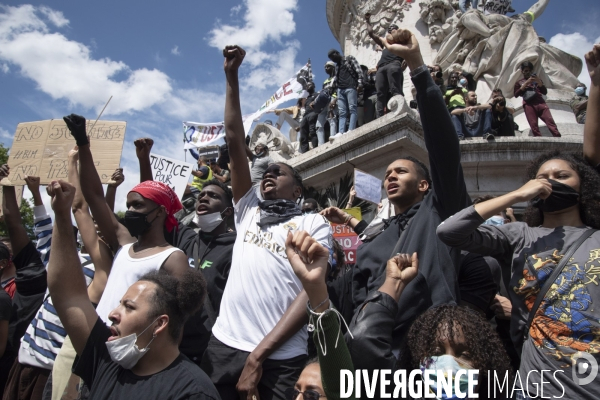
[{"x": 337, "y": 135}]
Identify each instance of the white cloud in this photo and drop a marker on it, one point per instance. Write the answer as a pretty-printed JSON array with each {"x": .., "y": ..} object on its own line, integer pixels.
[
  {"x": 576, "y": 44},
  {"x": 55, "y": 17},
  {"x": 236, "y": 10},
  {"x": 4, "y": 68},
  {"x": 264, "y": 21},
  {"x": 65, "y": 69},
  {"x": 175, "y": 51}
]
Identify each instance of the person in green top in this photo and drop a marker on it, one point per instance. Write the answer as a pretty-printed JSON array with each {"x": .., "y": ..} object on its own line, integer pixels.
[
  {"x": 202, "y": 175},
  {"x": 455, "y": 94}
]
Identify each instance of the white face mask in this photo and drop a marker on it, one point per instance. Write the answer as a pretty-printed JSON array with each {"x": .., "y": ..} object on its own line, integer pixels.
[
  {"x": 125, "y": 352},
  {"x": 209, "y": 222}
]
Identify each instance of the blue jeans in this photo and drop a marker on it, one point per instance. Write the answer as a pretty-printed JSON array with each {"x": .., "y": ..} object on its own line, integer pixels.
[
  {"x": 484, "y": 126},
  {"x": 347, "y": 101},
  {"x": 462, "y": 4}
]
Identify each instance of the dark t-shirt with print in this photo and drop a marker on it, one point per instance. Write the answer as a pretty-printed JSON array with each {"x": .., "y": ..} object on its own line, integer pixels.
[
  {"x": 108, "y": 380},
  {"x": 567, "y": 322}
]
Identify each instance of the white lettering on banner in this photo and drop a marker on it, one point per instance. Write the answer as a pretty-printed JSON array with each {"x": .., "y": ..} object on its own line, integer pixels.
[
  {"x": 198, "y": 135},
  {"x": 169, "y": 171},
  {"x": 367, "y": 186}
]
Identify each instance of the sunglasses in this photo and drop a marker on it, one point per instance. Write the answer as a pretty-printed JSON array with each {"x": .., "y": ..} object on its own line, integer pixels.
[{"x": 292, "y": 394}]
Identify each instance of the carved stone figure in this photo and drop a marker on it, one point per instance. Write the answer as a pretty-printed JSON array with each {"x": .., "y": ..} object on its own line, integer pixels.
[
  {"x": 383, "y": 14},
  {"x": 433, "y": 13},
  {"x": 492, "y": 47}
]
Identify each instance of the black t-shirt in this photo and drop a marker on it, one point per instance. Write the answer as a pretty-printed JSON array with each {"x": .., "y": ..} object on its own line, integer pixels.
[
  {"x": 310, "y": 99},
  {"x": 347, "y": 77},
  {"x": 108, "y": 380},
  {"x": 388, "y": 57}
]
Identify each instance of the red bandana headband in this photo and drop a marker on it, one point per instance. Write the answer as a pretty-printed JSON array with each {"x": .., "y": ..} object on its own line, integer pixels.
[{"x": 162, "y": 195}]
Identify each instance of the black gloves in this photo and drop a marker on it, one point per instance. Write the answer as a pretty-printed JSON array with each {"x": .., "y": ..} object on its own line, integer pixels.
[{"x": 76, "y": 124}]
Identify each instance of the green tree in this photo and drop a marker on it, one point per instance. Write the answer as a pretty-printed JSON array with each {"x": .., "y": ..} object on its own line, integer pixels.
[{"x": 26, "y": 208}]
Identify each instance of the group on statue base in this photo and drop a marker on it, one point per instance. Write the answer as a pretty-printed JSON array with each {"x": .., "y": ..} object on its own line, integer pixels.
[{"x": 491, "y": 46}]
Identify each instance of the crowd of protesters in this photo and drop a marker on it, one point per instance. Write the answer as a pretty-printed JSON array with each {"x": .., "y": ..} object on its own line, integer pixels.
[{"x": 145, "y": 306}]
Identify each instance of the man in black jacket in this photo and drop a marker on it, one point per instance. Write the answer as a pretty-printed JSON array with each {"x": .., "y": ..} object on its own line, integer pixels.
[
  {"x": 421, "y": 203},
  {"x": 210, "y": 251}
]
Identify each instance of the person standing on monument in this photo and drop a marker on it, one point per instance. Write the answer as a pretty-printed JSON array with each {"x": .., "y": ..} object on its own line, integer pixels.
[
  {"x": 532, "y": 88},
  {"x": 328, "y": 113},
  {"x": 308, "y": 125},
  {"x": 347, "y": 81},
  {"x": 390, "y": 77}
]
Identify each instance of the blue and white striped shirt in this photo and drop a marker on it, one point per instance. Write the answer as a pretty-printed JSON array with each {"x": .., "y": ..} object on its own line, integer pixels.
[{"x": 45, "y": 335}]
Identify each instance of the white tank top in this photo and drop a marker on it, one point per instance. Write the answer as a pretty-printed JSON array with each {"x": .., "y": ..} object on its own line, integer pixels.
[{"x": 125, "y": 272}]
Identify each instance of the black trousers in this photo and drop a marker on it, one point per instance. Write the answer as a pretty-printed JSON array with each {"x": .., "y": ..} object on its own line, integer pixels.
[
  {"x": 308, "y": 131},
  {"x": 388, "y": 82},
  {"x": 224, "y": 365}
]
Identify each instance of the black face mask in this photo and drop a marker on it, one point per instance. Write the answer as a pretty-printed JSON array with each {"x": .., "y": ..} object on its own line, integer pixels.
[
  {"x": 137, "y": 223},
  {"x": 563, "y": 196}
]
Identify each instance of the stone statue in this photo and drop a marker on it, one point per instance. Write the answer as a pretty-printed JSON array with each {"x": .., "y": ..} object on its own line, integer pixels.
[
  {"x": 492, "y": 47},
  {"x": 433, "y": 13},
  {"x": 383, "y": 14}
]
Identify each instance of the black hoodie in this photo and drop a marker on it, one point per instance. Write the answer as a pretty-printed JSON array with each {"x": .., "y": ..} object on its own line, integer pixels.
[{"x": 214, "y": 261}]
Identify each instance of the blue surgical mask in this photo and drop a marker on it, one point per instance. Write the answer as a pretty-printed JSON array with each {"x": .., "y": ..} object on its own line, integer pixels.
[
  {"x": 496, "y": 220},
  {"x": 579, "y": 91},
  {"x": 447, "y": 364},
  {"x": 463, "y": 82}
]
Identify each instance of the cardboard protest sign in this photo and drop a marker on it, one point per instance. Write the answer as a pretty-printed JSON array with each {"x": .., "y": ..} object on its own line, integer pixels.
[
  {"x": 42, "y": 148},
  {"x": 367, "y": 186},
  {"x": 18, "y": 194},
  {"x": 169, "y": 171},
  {"x": 347, "y": 237}
]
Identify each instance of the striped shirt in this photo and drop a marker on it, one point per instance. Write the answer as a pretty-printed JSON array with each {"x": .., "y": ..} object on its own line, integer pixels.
[{"x": 45, "y": 335}]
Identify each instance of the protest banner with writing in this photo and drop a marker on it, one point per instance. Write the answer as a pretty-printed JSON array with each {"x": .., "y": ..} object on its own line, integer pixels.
[
  {"x": 42, "y": 148},
  {"x": 367, "y": 186},
  {"x": 347, "y": 237},
  {"x": 292, "y": 89},
  {"x": 169, "y": 171},
  {"x": 196, "y": 134}
]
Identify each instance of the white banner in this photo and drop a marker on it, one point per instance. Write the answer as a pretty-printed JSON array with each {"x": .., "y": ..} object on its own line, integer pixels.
[
  {"x": 169, "y": 171},
  {"x": 197, "y": 134},
  {"x": 292, "y": 89}
]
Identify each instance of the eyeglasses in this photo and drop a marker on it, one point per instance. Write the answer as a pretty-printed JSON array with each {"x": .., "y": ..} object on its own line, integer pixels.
[{"x": 292, "y": 394}]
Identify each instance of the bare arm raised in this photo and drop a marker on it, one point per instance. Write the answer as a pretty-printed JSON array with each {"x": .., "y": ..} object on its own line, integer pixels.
[
  {"x": 98, "y": 251},
  {"x": 65, "y": 276},
  {"x": 234, "y": 126},
  {"x": 591, "y": 131}
]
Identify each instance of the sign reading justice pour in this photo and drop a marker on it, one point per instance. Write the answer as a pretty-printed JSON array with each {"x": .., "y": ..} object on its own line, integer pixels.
[
  {"x": 169, "y": 171},
  {"x": 42, "y": 148}
]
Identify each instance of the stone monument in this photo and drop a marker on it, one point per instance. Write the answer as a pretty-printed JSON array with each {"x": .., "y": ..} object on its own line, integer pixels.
[{"x": 490, "y": 47}]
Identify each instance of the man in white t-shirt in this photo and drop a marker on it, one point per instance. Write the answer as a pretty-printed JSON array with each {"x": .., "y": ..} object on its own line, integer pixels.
[{"x": 258, "y": 347}]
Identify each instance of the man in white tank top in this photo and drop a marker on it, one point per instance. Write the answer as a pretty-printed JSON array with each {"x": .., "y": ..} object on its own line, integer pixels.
[{"x": 139, "y": 241}]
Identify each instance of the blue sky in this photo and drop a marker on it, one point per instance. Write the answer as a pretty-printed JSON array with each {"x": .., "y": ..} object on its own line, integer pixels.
[{"x": 162, "y": 62}]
